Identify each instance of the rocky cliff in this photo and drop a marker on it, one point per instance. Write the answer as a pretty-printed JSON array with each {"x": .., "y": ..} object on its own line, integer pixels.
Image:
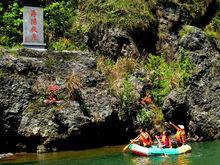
[
  {"x": 197, "y": 107},
  {"x": 28, "y": 123},
  {"x": 81, "y": 112}
]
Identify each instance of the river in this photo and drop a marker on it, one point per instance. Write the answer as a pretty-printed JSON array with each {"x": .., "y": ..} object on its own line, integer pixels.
[{"x": 203, "y": 153}]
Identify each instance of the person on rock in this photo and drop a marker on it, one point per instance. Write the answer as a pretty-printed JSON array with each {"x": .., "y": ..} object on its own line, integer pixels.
[{"x": 180, "y": 134}]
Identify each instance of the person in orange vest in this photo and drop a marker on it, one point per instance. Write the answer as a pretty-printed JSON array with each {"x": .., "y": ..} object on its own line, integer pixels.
[
  {"x": 144, "y": 139},
  {"x": 180, "y": 134},
  {"x": 165, "y": 139}
]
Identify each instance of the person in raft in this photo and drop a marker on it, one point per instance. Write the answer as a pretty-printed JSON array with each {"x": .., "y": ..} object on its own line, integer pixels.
[
  {"x": 144, "y": 139},
  {"x": 180, "y": 134},
  {"x": 165, "y": 139}
]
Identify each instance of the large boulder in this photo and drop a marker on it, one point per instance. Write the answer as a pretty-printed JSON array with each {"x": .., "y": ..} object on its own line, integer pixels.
[
  {"x": 88, "y": 119},
  {"x": 198, "y": 105}
]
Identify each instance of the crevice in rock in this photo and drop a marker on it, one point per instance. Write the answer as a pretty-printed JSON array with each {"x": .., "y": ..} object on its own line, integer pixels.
[
  {"x": 207, "y": 17},
  {"x": 8, "y": 143},
  {"x": 178, "y": 113},
  {"x": 145, "y": 40},
  {"x": 32, "y": 143},
  {"x": 97, "y": 134}
]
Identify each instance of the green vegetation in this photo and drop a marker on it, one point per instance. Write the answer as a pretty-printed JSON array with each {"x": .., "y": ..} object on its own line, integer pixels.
[
  {"x": 121, "y": 13},
  {"x": 11, "y": 24},
  {"x": 213, "y": 28},
  {"x": 165, "y": 76},
  {"x": 149, "y": 116},
  {"x": 1, "y": 52},
  {"x": 127, "y": 98},
  {"x": 67, "y": 22},
  {"x": 160, "y": 75},
  {"x": 196, "y": 8},
  {"x": 117, "y": 71},
  {"x": 118, "y": 74},
  {"x": 48, "y": 97},
  {"x": 59, "y": 17},
  {"x": 186, "y": 29}
]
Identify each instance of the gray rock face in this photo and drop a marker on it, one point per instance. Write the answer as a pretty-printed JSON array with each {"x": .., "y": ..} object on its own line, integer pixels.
[
  {"x": 70, "y": 124},
  {"x": 198, "y": 105},
  {"x": 15, "y": 94},
  {"x": 114, "y": 42},
  {"x": 168, "y": 15}
]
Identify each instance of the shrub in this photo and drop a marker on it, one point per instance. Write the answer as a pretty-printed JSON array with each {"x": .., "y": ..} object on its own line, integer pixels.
[
  {"x": 185, "y": 68},
  {"x": 161, "y": 75},
  {"x": 11, "y": 24},
  {"x": 61, "y": 44},
  {"x": 213, "y": 28},
  {"x": 166, "y": 76},
  {"x": 58, "y": 17},
  {"x": 2, "y": 73},
  {"x": 145, "y": 118},
  {"x": 149, "y": 116},
  {"x": 127, "y": 98},
  {"x": 118, "y": 74},
  {"x": 73, "y": 86}
]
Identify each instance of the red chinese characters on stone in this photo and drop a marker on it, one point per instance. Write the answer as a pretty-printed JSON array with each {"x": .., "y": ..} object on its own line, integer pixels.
[
  {"x": 34, "y": 21},
  {"x": 33, "y": 13},
  {"x": 34, "y": 37},
  {"x": 34, "y": 29},
  {"x": 34, "y": 25}
]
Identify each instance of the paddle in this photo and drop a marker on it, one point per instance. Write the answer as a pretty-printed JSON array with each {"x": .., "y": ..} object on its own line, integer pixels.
[
  {"x": 131, "y": 142},
  {"x": 165, "y": 155}
]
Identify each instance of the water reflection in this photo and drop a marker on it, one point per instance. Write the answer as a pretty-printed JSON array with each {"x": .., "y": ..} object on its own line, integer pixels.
[
  {"x": 202, "y": 154},
  {"x": 160, "y": 160},
  {"x": 141, "y": 161},
  {"x": 183, "y": 159}
]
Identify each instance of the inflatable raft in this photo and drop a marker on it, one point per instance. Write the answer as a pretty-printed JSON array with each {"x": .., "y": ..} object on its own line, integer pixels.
[{"x": 154, "y": 150}]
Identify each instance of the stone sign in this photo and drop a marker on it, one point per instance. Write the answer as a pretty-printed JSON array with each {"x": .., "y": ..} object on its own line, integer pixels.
[{"x": 33, "y": 29}]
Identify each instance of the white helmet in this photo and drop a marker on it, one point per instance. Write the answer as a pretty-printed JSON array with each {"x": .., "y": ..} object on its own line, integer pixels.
[{"x": 181, "y": 126}]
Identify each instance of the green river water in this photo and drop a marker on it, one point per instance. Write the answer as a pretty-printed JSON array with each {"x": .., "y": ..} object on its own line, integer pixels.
[{"x": 203, "y": 153}]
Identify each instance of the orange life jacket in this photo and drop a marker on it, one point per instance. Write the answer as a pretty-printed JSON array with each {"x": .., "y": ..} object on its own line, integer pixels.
[
  {"x": 163, "y": 140},
  {"x": 183, "y": 136},
  {"x": 178, "y": 136},
  {"x": 146, "y": 141}
]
